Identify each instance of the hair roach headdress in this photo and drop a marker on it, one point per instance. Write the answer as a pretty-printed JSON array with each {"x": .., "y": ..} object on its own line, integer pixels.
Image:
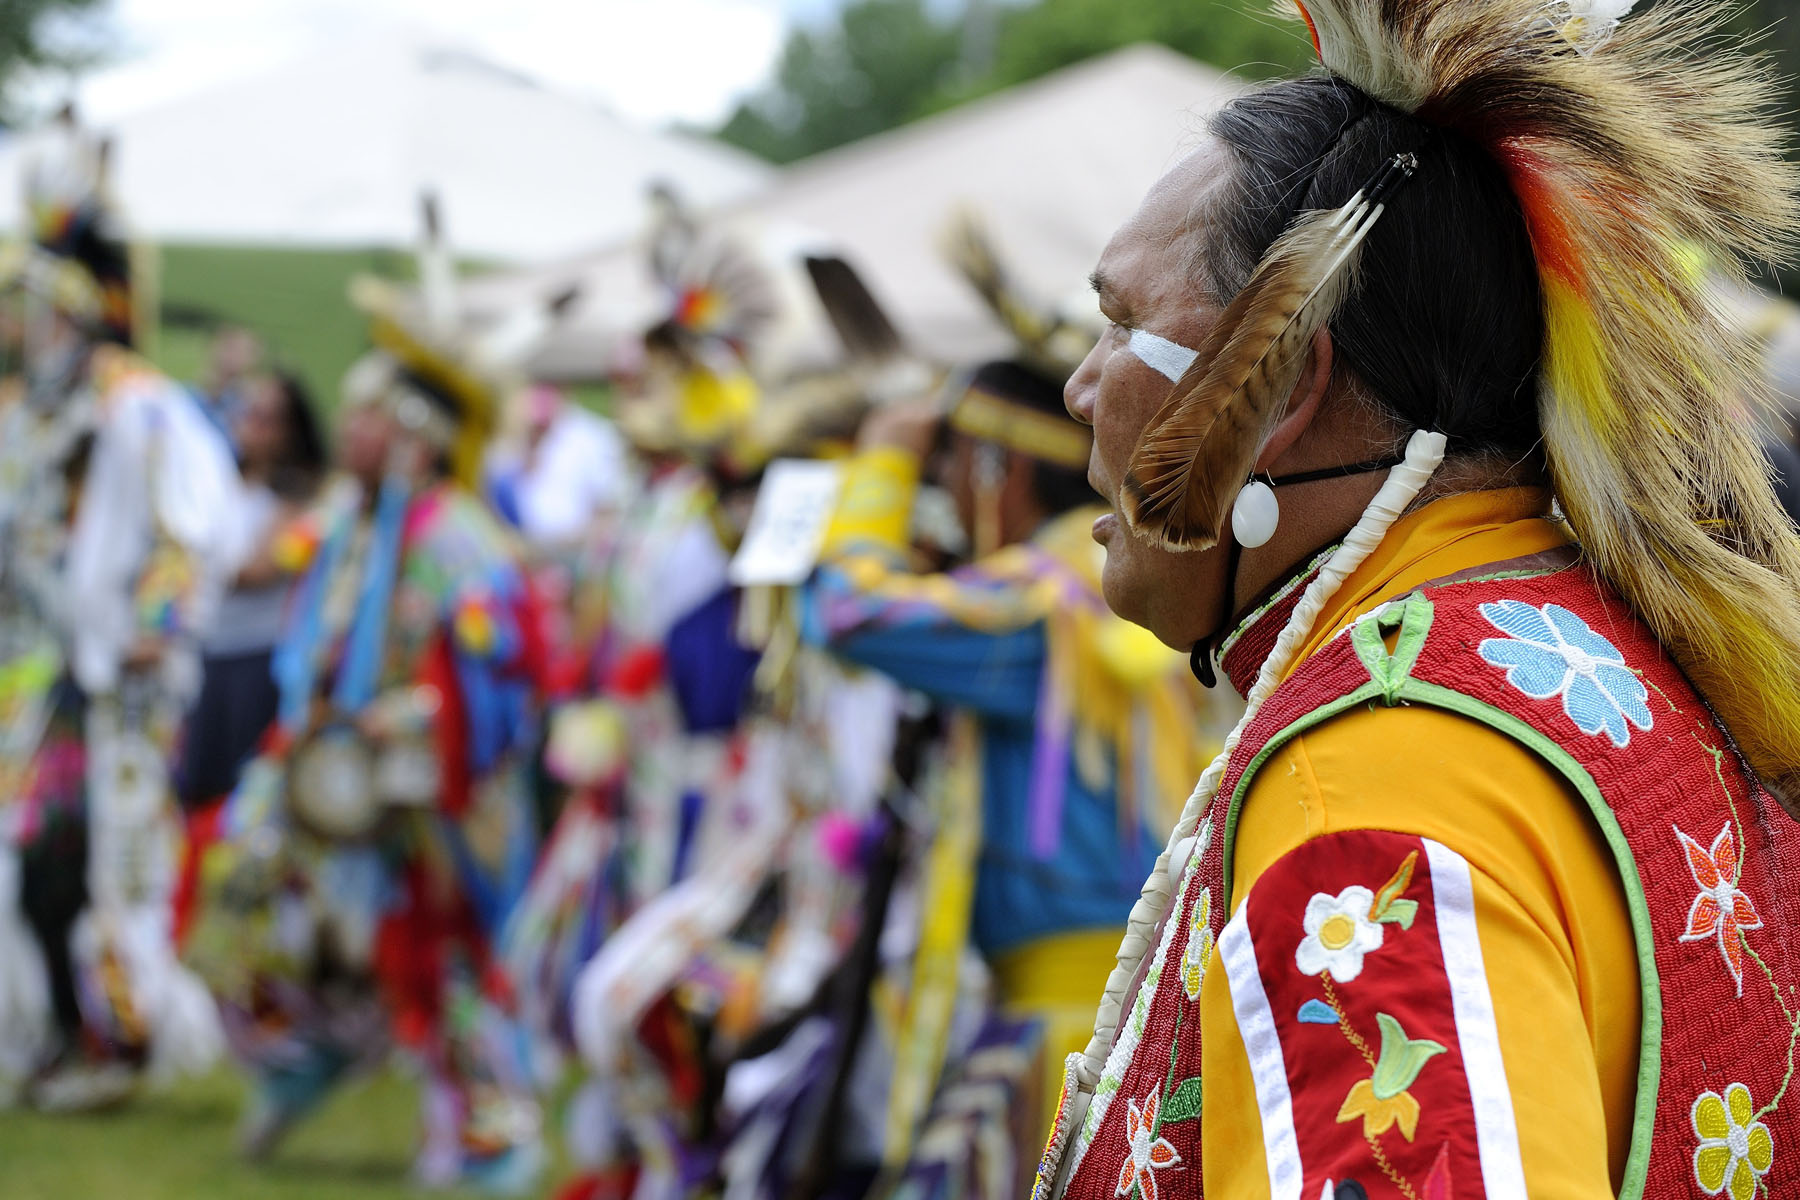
[
  {"x": 1633, "y": 144},
  {"x": 78, "y": 257},
  {"x": 446, "y": 380}
]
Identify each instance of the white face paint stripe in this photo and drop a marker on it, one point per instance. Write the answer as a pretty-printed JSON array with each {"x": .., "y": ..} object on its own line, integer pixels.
[
  {"x": 1168, "y": 359},
  {"x": 1268, "y": 1070},
  {"x": 1496, "y": 1131}
]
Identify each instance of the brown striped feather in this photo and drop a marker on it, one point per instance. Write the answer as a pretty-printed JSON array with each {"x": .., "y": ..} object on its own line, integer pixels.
[{"x": 1198, "y": 450}]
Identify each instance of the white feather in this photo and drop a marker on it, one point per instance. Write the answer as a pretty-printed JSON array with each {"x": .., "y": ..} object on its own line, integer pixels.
[
  {"x": 1591, "y": 22},
  {"x": 1609, "y": 11}
]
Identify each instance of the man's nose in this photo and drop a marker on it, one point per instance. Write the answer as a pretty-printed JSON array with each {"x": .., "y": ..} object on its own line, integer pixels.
[{"x": 1083, "y": 385}]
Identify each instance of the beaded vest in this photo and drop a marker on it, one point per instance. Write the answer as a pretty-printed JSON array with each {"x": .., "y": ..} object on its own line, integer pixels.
[{"x": 1541, "y": 651}]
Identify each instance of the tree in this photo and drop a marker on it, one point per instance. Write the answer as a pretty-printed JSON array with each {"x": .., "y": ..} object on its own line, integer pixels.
[
  {"x": 885, "y": 62},
  {"x": 41, "y": 35},
  {"x": 1045, "y": 36},
  {"x": 875, "y": 69}
]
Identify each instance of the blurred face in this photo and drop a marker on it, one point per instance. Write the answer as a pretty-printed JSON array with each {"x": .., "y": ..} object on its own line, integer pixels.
[
  {"x": 958, "y": 469},
  {"x": 1145, "y": 281},
  {"x": 954, "y": 469},
  {"x": 235, "y": 353},
  {"x": 260, "y": 429},
  {"x": 367, "y": 439}
]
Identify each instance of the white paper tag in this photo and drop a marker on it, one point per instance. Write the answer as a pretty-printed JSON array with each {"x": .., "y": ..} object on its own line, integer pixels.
[{"x": 787, "y": 527}]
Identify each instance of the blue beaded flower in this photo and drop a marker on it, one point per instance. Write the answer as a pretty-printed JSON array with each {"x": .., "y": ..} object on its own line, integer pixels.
[{"x": 1552, "y": 652}]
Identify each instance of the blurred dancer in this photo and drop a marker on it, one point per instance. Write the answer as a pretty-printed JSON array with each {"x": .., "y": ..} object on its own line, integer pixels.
[
  {"x": 113, "y": 495},
  {"x": 235, "y": 358},
  {"x": 1072, "y": 720},
  {"x": 375, "y": 848},
  {"x": 563, "y": 469},
  {"x": 719, "y": 913}
]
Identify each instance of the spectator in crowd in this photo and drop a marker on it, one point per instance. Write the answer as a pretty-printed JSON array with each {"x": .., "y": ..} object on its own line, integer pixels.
[
  {"x": 281, "y": 454},
  {"x": 236, "y": 358}
]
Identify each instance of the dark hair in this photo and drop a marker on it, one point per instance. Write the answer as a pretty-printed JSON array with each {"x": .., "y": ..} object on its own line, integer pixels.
[
  {"x": 297, "y": 473},
  {"x": 1058, "y": 489},
  {"x": 1445, "y": 327}
]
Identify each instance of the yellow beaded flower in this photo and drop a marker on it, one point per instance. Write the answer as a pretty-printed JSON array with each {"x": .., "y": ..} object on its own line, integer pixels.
[{"x": 1735, "y": 1148}]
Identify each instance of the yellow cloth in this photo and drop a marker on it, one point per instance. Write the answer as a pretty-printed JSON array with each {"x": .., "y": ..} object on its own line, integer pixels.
[
  {"x": 1055, "y": 980},
  {"x": 1131, "y": 698},
  {"x": 1127, "y": 692},
  {"x": 1555, "y": 933},
  {"x": 875, "y": 503}
]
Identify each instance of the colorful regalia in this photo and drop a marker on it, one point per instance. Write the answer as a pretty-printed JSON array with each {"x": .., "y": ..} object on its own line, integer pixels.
[
  {"x": 1069, "y": 720},
  {"x": 112, "y": 551},
  {"x": 1065, "y": 723},
  {"x": 659, "y": 846},
  {"x": 1484, "y": 895},
  {"x": 360, "y": 874},
  {"x": 723, "y": 1001}
]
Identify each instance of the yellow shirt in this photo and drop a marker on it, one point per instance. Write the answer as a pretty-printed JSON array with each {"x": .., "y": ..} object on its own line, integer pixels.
[{"x": 1551, "y": 912}]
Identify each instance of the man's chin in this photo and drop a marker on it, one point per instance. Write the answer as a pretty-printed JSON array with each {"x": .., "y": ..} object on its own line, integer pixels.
[
  {"x": 1124, "y": 593},
  {"x": 1133, "y": 594}
]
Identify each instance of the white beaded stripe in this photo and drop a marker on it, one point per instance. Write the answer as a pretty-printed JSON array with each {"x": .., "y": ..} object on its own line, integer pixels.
[{"x": 1424, "y": 451}]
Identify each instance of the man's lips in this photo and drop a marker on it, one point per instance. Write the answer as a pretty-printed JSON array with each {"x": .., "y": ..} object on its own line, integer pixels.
[{"x": 1106, "y": 524}]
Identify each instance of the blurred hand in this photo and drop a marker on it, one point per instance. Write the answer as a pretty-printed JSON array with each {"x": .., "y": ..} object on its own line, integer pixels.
[
  {"x": 145, "y": 653},
  {"x": 911, "y": 426},
  {"x": 260, "y": 571},
  {"x": 375, "y": 724}
]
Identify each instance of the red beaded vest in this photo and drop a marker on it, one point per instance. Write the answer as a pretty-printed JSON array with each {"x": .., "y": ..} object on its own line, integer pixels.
[{"x": 1541, "y": 651}]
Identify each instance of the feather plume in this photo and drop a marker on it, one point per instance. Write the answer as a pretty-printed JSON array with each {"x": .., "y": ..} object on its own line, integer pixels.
[
  {"x": 862, "y": 325},
  {"x": 1199, "y": 449},
  {"x": 971, "y": 251},
  {"x": 1634, "y": 146},
  {"x": 1046, "y": 338}
]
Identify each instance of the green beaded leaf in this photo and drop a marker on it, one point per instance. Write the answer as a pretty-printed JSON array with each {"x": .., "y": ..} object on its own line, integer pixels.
[{"x": 1183, "y": 1103}]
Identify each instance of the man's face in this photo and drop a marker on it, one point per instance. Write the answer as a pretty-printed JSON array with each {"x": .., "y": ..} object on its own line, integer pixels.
[
  {"x": 1145, "y": 280},
  {"x": 368, "y": 436},
  {"x": 236, "y": 352}
]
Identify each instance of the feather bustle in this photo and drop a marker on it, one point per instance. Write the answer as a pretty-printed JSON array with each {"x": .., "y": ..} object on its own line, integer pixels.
[{"x": 1633, "y": 150}]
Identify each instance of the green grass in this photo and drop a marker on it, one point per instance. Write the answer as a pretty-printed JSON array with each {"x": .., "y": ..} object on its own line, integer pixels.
[
  {"x": 180, "y": 1145},
  {"x": 295, "y": 299}
]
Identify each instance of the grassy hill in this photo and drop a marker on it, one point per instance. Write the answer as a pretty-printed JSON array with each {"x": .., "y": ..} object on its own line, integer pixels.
[{"x": 295, "y": 299}]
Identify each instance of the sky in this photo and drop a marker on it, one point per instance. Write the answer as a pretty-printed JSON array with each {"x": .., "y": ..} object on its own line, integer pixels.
[{"x": 657, "y": 61}]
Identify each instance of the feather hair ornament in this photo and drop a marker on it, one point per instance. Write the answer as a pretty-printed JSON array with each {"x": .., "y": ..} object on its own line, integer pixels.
[
  {"x": 1631, "y": 144},
  {"x": 1199, "y": 449}
]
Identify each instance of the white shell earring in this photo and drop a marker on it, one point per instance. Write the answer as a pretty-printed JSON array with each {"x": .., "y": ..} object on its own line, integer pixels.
[{"x": 1255, "y": 514}]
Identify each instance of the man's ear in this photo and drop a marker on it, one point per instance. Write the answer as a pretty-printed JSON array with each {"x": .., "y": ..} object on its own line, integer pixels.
[{"x": 1303, "y": 403}]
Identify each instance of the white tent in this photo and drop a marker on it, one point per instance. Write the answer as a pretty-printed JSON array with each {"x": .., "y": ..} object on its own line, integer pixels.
[
  {"x": 1053, "y": 167},
  {"x": 334, "y": 150}
]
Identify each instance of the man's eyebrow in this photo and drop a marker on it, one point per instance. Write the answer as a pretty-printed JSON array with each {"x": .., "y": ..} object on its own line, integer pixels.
[{"x": 1104, "y": 288}]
